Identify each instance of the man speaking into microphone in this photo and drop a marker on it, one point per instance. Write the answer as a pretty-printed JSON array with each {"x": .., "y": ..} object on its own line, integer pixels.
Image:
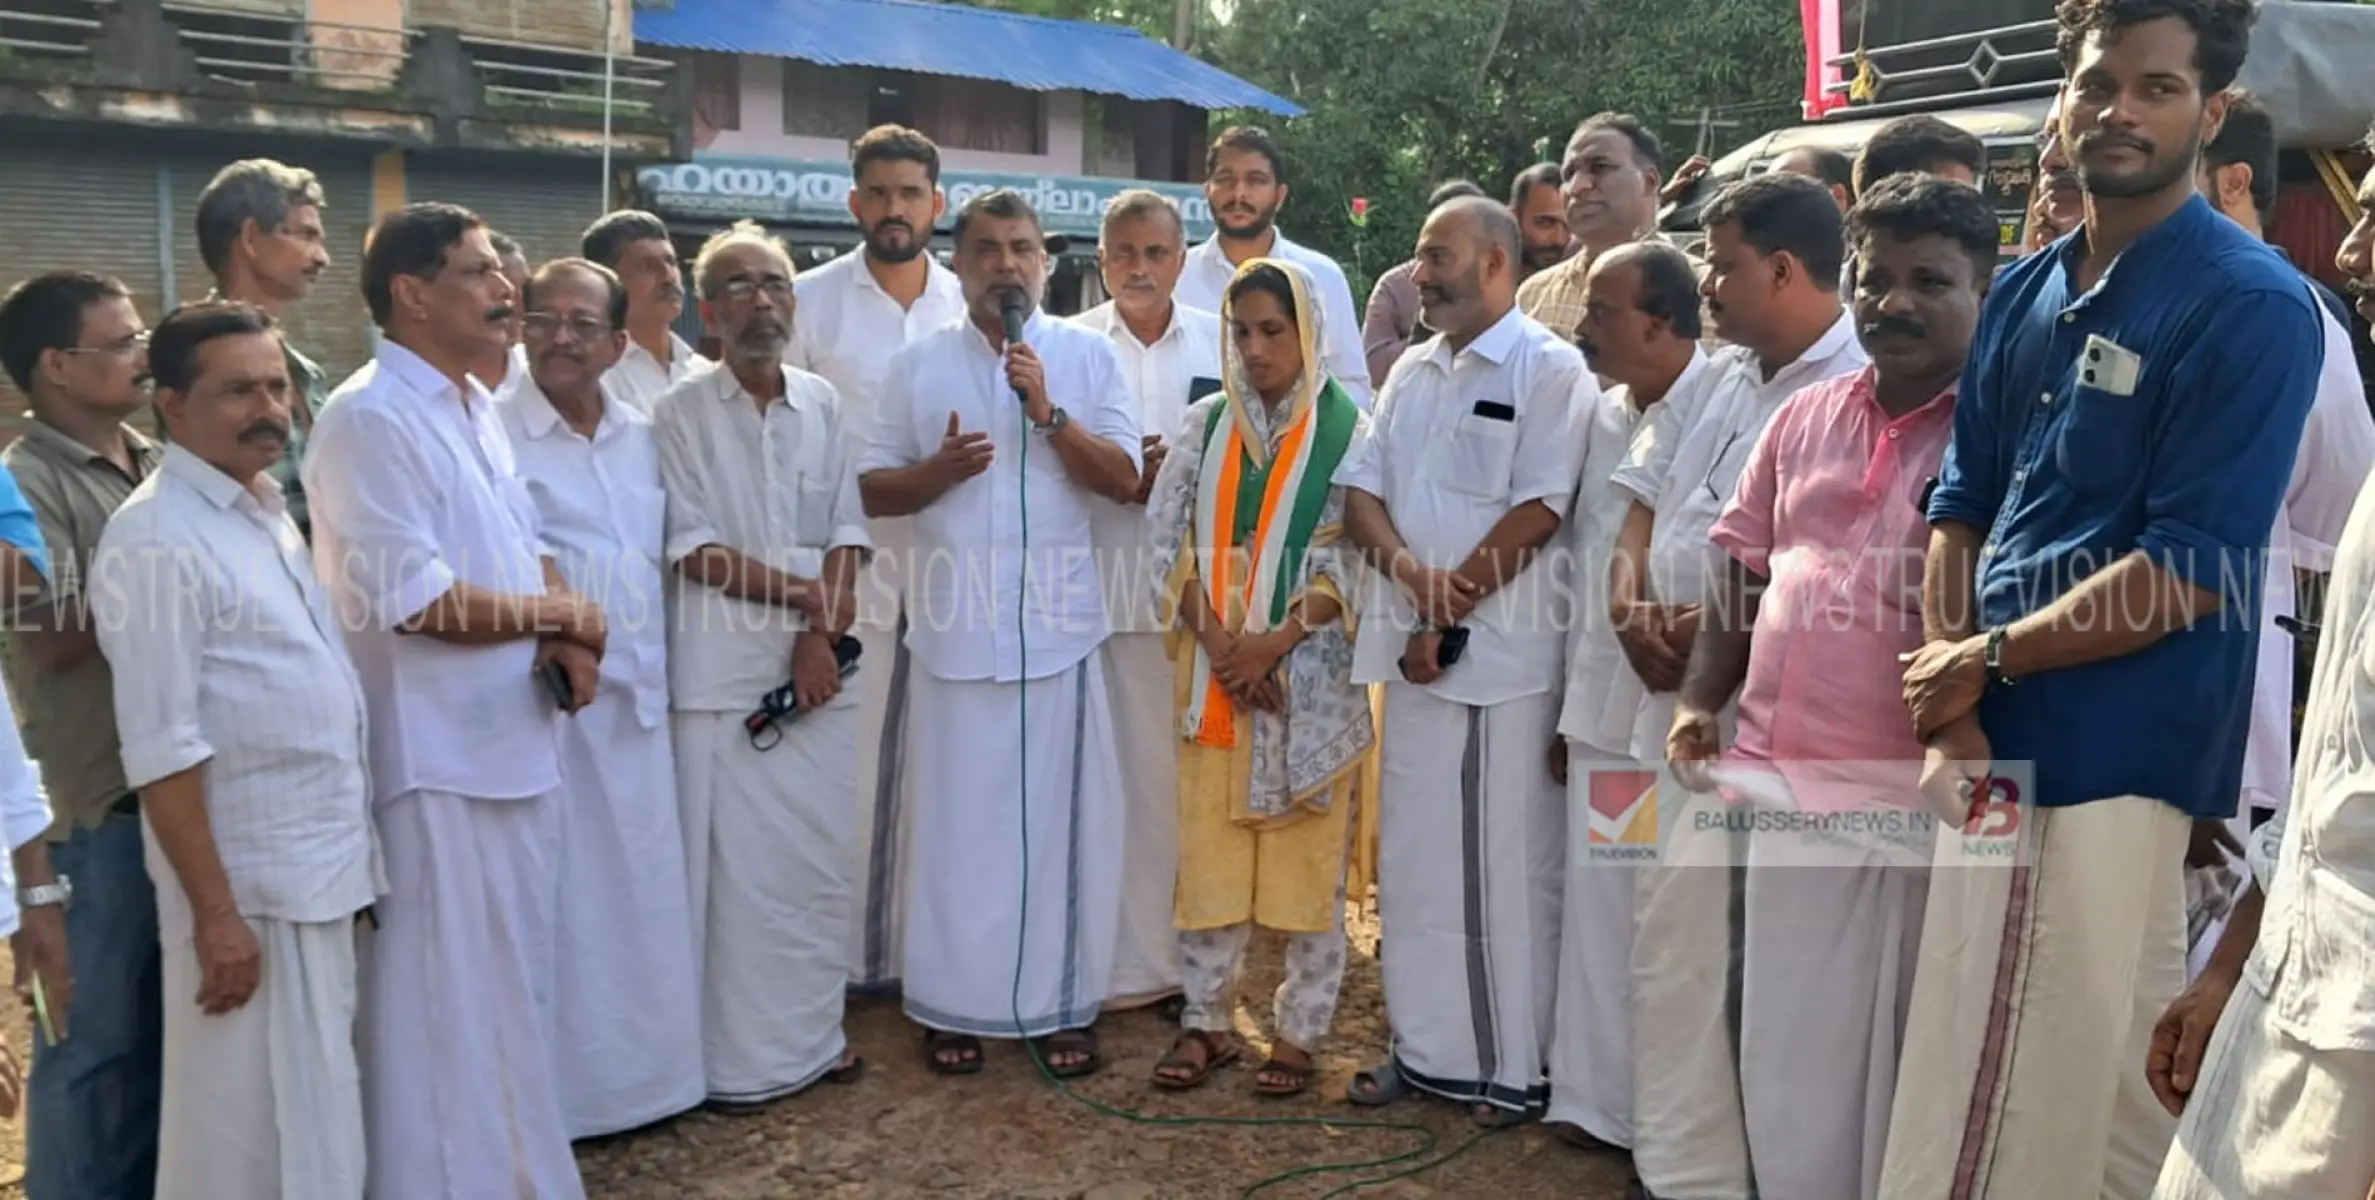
[{"x": 995, "y": 433}]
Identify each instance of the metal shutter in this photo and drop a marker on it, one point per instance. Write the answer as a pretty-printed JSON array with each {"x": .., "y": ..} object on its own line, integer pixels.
[
  {"x": 545, "y": 203},
  {"x": 72, "y": 198},
  {"x": 331, "y": 326}
]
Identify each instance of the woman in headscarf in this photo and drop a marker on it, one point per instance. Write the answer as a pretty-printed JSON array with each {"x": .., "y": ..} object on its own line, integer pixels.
[{"x": 1274, "y": 733}]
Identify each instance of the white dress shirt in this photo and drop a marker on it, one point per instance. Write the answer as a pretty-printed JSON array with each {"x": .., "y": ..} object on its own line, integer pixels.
[
  {"x": 1449, "y": 472},
  {"x": 2337, "y": 451},
  {"x": 846, "y": 327},
  {"x": 228, "y": 655},
  {"x": 2316, "y": 859},
  {"x": 24, "y": 809},
  {"x": 1603, "y": 694},
  {"x": 1164, "y": 378},
  {"x": 638, "y": 380},
  {"x": 1204, "y": 280},
  {"x": 1689, "y": 468},
  {"x": 413, "y": 490},
  {"x": 969, "y": 592},
  {"x": 779, "y": 486},
  {"x": 601, "y": 510}
]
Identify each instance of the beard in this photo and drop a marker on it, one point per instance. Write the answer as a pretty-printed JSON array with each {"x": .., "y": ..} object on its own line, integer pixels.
[
  {"x": 1539, "y": 258},
  {"x": 882, "y": 249},
  {"x": 1255, "y": 227}
]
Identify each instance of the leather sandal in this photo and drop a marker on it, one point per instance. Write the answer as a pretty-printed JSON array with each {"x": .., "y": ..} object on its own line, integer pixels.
[{"x": 1179, "y": 1071}]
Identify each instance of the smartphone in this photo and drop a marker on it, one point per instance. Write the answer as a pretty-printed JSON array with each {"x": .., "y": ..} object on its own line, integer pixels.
[
  {"x": 49, "y": 1026},
  {"x": 556, "y": 681},
  {"x": 1453, "y": 645}
]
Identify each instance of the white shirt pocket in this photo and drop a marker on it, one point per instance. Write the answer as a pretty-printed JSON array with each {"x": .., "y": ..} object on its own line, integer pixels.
[{"x": 1482, "y": 448}]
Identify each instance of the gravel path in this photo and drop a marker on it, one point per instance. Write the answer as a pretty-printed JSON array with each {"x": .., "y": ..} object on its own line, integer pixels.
[{"x": 1006, "y": 1135}]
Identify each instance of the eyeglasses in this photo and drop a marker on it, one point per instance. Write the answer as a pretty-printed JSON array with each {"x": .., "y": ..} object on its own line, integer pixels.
[
  {"x": 776, "y": 287},
  {"x": 123, "y": 348},
  {"x": 544, "y": 325}
]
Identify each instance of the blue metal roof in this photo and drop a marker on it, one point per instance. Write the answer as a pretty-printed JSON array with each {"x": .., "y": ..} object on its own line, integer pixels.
[{"x": 1037, "y": 54}]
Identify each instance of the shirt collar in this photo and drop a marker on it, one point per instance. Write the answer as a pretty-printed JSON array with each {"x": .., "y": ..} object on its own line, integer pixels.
[
  {"x": 219, "y": 489},
  {"x": 1281, "y": 247},
  {"x": 1494, "y": 345},
  {"x": 1865, "y": 387},
  {"x": 1116, "y": 326},
  {"x": 40, "y": 432},
  {"x": 1835, "y": 339},
  {"x": 2175, "y": 235},
  {"x": 415, "y": 373},
  {"x": 729, "y": 388},
  {"x": 936, "y": 277},
  {"x": 540, "y": 419}
]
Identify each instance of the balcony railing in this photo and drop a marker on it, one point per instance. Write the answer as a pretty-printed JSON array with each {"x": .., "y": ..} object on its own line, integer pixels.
[{"x": 266, "y": 51}]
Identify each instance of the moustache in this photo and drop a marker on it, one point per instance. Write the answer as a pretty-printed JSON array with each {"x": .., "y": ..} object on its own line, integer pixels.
[
  {"x": 1433, "y": 295},
  {"x": 265, "y": 429},
  {"x": 2359, "y": 289},
  {"x": 1589, "y": 347},
  {"x": 501, "y": 312},
  {"x": 894, "y": 223},
  {"x": 1897, "y": 327},
  {"x": 2113, "y": 141}
]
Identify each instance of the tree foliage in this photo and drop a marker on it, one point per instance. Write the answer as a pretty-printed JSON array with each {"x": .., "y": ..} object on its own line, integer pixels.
[{"x": 1401, "y": 95}]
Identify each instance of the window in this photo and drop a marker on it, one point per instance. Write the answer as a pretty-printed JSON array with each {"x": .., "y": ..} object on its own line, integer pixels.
[
  {"x": 717, "y": 93},
  {"x": 826, "y": 102},
  {"x": 901, "y": 98},
  {"x": 976, "y": 114}
]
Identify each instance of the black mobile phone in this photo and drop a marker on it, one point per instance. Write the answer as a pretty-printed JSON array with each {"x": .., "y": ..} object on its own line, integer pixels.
[
  {"x": 556, "y": 681},
  {"x": 1453, "y": 645}
]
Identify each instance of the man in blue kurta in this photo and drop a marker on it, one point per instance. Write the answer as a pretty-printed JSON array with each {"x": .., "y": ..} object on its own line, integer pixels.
[{"x": 2134, "y": 399}]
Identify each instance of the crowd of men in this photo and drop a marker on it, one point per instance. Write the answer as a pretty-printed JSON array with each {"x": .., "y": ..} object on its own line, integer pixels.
[{"x": 541, "y": 732}]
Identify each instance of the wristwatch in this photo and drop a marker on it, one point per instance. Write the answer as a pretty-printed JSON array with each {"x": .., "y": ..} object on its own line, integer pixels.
[
  {"x": 1993, "y": 656},
  {"x": 45, "y": 895},
  {"x": 1056, "y": 419}
]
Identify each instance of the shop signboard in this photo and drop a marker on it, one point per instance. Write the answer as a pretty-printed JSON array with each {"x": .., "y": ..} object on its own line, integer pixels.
[{"x": 813, "y": 192}]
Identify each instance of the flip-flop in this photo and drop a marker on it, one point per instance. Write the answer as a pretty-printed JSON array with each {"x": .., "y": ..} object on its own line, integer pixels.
[
  {"x": 849, "y": 1072},
  {"x": 1219, "y": 1051},
  {"x": 964, "y": 1046},
  {"x": 1488, "y": 1116},
  {"x": 1376, "y": 1087},
  {"x": 1082, "y": 1042}
]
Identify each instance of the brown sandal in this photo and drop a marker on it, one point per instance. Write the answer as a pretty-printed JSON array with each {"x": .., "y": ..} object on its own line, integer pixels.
[
  {"x": 1219, "y": 1051},
  {"x": 1291, "y": 1079}
]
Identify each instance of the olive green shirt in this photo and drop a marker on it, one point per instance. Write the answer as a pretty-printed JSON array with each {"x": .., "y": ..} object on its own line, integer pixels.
[{"x": 69, "y": 715}]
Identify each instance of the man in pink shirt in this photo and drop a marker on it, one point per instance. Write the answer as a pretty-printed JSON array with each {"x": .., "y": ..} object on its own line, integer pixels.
[{"x": 1827, "y": 535}]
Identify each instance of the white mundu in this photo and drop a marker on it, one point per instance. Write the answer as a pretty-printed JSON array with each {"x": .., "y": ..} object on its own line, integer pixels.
[
  {"x": 1163, "y": 378},
  {"x": 413, "y": 489},
  {"x": 1009, "y": 697},
  {"x": 1689, "y": 1134},
  {"x": 638, "y": 380},
  {"x": 767, "y": 821},
  {"x": 846, "y": 329},
  {"x": 1472, "y": 845},
  {"x": 229, "y": 660},
  {"x": 1591, "y": 1052},
  {"x": 626, "y": 997}
]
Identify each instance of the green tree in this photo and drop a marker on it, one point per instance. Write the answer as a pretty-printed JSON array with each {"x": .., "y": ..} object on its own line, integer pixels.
[{"x": 1400, "y": 95}]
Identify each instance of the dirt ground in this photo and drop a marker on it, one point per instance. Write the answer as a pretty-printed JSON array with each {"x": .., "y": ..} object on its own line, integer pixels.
[{"x": 1007, "y": 1135}]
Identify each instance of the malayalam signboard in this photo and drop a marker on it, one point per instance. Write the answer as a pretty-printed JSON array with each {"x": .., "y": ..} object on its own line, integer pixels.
[{"x": 814, "y": 192}]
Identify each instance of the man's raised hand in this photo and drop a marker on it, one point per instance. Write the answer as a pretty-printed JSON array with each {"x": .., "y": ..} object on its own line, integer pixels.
[{"x": 962, "y": 455}]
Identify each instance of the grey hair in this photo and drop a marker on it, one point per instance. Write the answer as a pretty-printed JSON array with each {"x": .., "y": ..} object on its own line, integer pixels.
[
  {"x": 254, "y": 189},
  {"x": 1137, "y": 203},
  {"x": 740, "y": 233}
]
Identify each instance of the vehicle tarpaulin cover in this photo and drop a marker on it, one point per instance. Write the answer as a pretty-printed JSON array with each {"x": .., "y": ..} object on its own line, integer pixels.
[{"x": 2310, "y": 65}]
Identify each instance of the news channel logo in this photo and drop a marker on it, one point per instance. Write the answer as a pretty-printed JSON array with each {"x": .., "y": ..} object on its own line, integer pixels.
[{"x": 1807, "y": 814}]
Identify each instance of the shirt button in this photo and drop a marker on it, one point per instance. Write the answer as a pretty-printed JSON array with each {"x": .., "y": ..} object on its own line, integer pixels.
[
  {"x": 2069, "y": 318},
  {"x": 1988, "y": 551},
  {"x": 2019, "y": 475},
  {"x": 2045, "y": 398},
  {"x": 1892, "y": 434}
]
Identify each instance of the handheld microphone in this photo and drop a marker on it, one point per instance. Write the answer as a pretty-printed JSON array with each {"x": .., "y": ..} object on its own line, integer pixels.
[{"x": 1011, "y": 308}]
